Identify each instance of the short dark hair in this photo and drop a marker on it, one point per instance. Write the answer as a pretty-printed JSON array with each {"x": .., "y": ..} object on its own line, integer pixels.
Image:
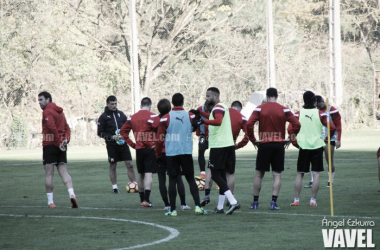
[
  {"x": 213, "y": 89},
  {"x": 46, "y": 95},
  {"x": 164, "y": 106},
  {"x": 272, "y": 92},
  {"x": 319, "y": 98},
  {"x": 111, "y": 98},
  {"x": 178, "y": 99},
  {"x": 236, "y": 104},
  {"x": 146, "y": 102}
]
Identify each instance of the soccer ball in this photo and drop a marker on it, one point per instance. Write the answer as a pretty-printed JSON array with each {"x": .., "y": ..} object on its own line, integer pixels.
[
  {"x": 132, "y": 187},
  {"x": 200, "y": 184}
]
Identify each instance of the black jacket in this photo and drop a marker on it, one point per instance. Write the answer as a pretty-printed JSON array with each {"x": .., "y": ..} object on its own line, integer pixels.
[{"x": 108, "y": 123}]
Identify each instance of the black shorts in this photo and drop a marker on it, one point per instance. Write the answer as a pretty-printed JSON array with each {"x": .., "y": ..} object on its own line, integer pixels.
[
  {"x": 203, "y": 143},
  {"x": 53, "y": 155},
  {"x": 270, "y": 154},
  {"x": 332, "y": 143},
  {"x": 307, "y": 156},
  {"x": 180, "y": 164},
  {"x": 146, "y": 161},
  {"x": 223, "y": 158},
  {"x": 118, "y": 153}
]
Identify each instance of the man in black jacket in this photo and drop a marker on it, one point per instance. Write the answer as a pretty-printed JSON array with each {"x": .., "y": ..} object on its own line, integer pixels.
[{"x": 109, "y": 125}]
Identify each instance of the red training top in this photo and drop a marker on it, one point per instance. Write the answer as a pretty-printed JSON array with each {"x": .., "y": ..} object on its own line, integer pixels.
[
  {"x": 238, "y": 122},
  {"x": 336, "y": 119},
  {"x": 54, "y": 126},
  {"x": 272, "y": 118},
  {"x": 136, "y": 123}
]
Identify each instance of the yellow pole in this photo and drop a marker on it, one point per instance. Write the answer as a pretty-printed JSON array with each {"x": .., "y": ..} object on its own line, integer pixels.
[{"x": 329, "y": 157}]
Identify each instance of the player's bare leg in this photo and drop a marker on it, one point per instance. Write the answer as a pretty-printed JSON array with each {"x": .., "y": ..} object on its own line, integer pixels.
[
  {"x": 297, "y": 188},
  {"x": 49, "y": 184},
  {"x": 66, "y": 178},
  {"x": 130, "y": 171},
  {"x": 257, "y": 181},
  {"x": 332, "y": 152},
  {"x": 49, "y": 176},
  {"x": 276, "y": 190},
  {"x": 148, "y": 180},
  {"x": 276, "y": 183}
]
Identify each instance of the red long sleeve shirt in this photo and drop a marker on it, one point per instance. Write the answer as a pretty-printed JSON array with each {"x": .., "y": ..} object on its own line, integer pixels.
[
  {"x": 54, "y": 125},
  {"x": 272, "y": 118},
  {"x": 238, "y": 122},
  {"x": 336, "y": 119},
  {"x": 136, "y": 123}
]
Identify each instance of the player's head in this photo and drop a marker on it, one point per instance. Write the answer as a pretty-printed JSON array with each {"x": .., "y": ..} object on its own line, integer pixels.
[
  {"x": 309, "y": 100},
  {"x": 320, "y": 102},
  {"x": 212, "y": 96},
  {"x": 272, "y": 93},
  {"x": 112, "y": 103},
  {"x": 164, "y": 106},
  {"x": 146, "y": 103},
  {"x": 178, "y": 99},
  {"x": 44, "y": 98},
  {"x": 237, "y": 105},
  {"x": 208, "y": 107}
]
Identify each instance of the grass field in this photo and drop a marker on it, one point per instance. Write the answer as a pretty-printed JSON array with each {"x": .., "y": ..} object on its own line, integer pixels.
[{"x": 108, "y": 221}]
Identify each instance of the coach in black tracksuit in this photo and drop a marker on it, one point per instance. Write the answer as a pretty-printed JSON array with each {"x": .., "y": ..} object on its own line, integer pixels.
[{"x": 109, "y": 125}]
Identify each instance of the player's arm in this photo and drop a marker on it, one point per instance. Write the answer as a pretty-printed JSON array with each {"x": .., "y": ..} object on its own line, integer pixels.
[
  {"x": 245, "y": 139},
  {"x": 291, "y": 132},
  {"x": 255, "y": 116},
  {"x": 323, "y": 118},
  {"x": 218, "y": 113},
  {"x": 205, "y": 114},
  {"x": 67, "y": 134},
  {"x": 102, "y": 131},
  {"x": 50, "y": 124},
  {"x": 337, "y": 120},
  {"x": 294, "y": 124},
  {"x": 124, "y": 132},
  {"x": 161, "y": 132}
]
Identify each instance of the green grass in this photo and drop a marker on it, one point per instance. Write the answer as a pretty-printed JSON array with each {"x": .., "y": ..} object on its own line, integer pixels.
[{"x": 107, "y": 221}]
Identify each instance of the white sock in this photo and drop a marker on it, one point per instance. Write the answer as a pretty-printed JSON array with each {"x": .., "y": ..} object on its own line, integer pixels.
[
  {"x": 221, "y": 201},
  {"x": 230, "y": 197},
  {"x": 332, "y": 177},
  {"x": 311, "y": 177},
  {"x": 203, "y": 172},
  {"x": 114, "y": 186},
  {"x": 312, "y": 200},
  {"x": 50, "y": 198},
  {"x": 71, "y": 191},
  {"x": 296, "y": 199}
]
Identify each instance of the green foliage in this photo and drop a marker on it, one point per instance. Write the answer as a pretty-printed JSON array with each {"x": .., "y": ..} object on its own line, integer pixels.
[
  {"x": 79, "y": 51},
  {"x": 19, "y": 134}
]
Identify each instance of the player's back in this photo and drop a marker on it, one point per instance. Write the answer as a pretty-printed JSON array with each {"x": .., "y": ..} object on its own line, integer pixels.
[{"x": 272, "y": 121}]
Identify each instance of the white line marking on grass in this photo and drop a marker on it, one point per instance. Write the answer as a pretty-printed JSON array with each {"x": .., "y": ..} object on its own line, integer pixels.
[
  {"x": 173, "y": 232},
  {"x": 239, "y": 211}
]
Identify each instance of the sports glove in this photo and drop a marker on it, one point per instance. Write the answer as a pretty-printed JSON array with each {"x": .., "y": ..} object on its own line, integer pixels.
[
  {"x": 121, "y": 141},
  {"x": 195, "y": 111},
  {"x": 197, "y": 123}
]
